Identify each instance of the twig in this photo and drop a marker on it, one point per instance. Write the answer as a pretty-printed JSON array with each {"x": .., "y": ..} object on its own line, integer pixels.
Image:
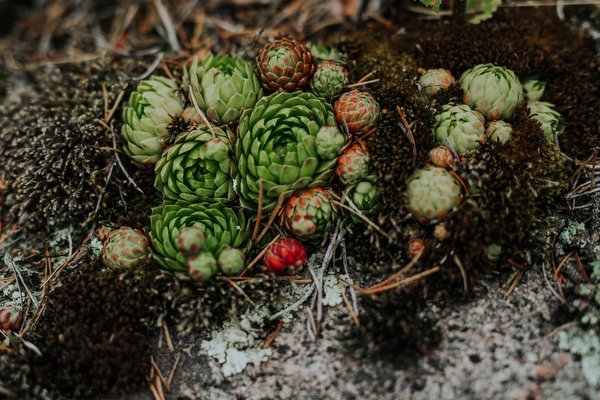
[
  {"x": 239, "y": 289},
  {"x": 271, "y": 217},
  {"x": 345, "y": 263},
  {"x": 463, "y": 272},
  {"x": 350, "y": 307},
  {"x": 198, "y": 110},
  {"x": 353, "y": 209},
  {"x": 8, "y": 259},
  {"x": 403, "y": 282},
  {"x": 399, "y": 273},
  {"x": 168, "y": 336},
  {"x": 561, "y": 264},
  {"x": 173, "y": 372},
  {"x": 311, "y": 319},
  {"x": 151, "y": 68},
  {"x": 578, "y": 260},
  {"x": 158, "y": 371},
  {"x": 166, "y": 20},
  {"x": 272, "y": 337},
  {"x": 153, "y": 389},
  {"x": 409, "y": 133}
]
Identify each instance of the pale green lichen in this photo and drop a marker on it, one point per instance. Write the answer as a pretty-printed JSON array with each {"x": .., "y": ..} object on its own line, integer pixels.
[{"x": 587, "y": 345}]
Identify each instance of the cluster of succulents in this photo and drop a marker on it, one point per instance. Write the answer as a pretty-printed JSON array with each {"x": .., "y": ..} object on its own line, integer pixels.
[{"x": 258, "y": 151}]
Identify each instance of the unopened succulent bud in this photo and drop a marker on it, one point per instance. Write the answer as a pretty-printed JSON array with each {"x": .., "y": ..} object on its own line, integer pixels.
[
  {"x": 414, "y": 246},
  {"x": 231, "y": 261},
  {"x": 125, "y": 248},
  {"x": 285, "y": 255},
  {"x": 191, "y": 241},
  {"x": 202, "y": 267},
  {"x": 499, "y": 131},
  {"x": 435, "y": 79},
  {"x": 442, "y": 157},
  {"x": 11, "y": 318},
  {"x": 440, "y": 232},
  {"x": 329, "y": 142}
]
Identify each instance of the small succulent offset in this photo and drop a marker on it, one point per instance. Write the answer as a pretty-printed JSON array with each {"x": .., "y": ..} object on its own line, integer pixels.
[
  {"x": 222, "y": 226},
  {"x": 198, "y": 167},
  {"x": 493, "y": 90},
  {"x": 442, "y": 157},
  {"x": 124, "y": 248},
  {"x": 285, "y": 65},
  {"x": 146, "y": 117},
  {"x": 544, "y": 113},
  {"x": 499, "y": 131},
  {"x": 329, "y": 80},
  {"x": 11, "y": 318},
  {"x": 434, "y": 80},
  {"x": 463, "y": 127},
  {"x": 223, "y": 87},
  {"x": 330, "y": 142},
  {"x": 353, "y": 165},
  {"x": 365, "y": 196},
  {"x": 309, "y": 213},
  {"x": 414, "y": 246},
  {"x": 359, "y": 111},
  {"x": 285, "y": 255},
  {"x": 535, "y": 88},
  {"x": 432, "y": 194},
  {"x": 277, "y": 146},
  {"x": 325, "y": 54}
]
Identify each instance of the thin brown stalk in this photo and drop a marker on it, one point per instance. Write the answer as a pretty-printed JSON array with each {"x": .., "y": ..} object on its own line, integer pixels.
[
  {"x": 463, "y": 272},
  {"x": 193, "y": 96},
  {"x": 260, "y": 255},
  {"x": 173, "y": 372},
  {"x": 555, "y": 276},
  {"x": 368, "y": 134},
  {"x": 273, "y": 335},
  {"x": 514, "y": 284},
  {"x": 116, "y": 104},
  {"x": 352, "y": 285},
  {"x": 362, "y": 83},
  {"x": 168, "y": 336},
  {"x": 400, "y": 273},
  {"x": 514, "y": 264},
  {"x": 160, "y": 390},
  {"x": 578, "y": 260},
  {"x": 462, "y": 183},
  {"x": 582, "y": 166},
  {"x": 105, "y": 95},
  {"x": 350, "y": 308},
  {"x": 158, "y": 371},
  {"x": 404, "y": 281},
  {"x": 367, "y": 76},
  {"x": 271, "y": 217},
  {"x": 153, "y": 389},
  {"x": 313, "y": 325}
]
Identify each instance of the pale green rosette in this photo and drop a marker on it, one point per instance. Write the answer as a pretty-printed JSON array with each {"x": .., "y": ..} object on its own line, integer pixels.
[
  {"x": 277, "y": 146},
  {"x": 365, "y": 196},
  {"x": 224, "y": 226},
  {"x": 189, "y": 171},
  {"x": 146, "y": 117},
  {"x": 224, "y": 87},
  {"x": 495, "y": 91},
  {"x": 535, "y": 88},
  {"x": 546, "y": 115},
  {"x": 463, "y": 127}
]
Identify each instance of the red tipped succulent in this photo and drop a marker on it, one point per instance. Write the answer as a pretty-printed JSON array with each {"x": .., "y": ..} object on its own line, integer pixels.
[
  {"x": 11, "y": 318},
  {"x": 285, "y": 65},
  {"x": 358, "y": 110},
  {"x": 414, "y": 246},
  {"x": 285, "y": 255}
]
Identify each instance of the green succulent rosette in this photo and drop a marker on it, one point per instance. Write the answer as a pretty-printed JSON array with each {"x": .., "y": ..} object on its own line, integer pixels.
[
  {"x": 146, "y": 117},
  {"x": 224, "y": 86},
  {"x": 535, "y": 88},
  {"x": 309, "y": 213},
  {"x": 190, "y": 171},
  {"x": 224, "y": 226},
  {"x": 325, "y": 54},
  {"x": 434, "y": 80},
  {"x": 329, "y": 80},
  {"x": 432, "y": 193},
  {"x": 463, "y": 127},
  {"x": 495, "y": 91},
  {"x": 365, "y": 196},
  {"x": 546, "y": 115},
  {"x": 499, "y": 131},
  {"x": 277, "y": 146}
]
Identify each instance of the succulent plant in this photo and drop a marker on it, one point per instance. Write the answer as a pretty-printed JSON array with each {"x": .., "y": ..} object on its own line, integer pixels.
[
  {"x": 432, "y": 193},
  {"x": 462, "y": 126},
  {"x": 442, "y": 157},
  {"x": 146, "y": 117},
  {"x": 285, "y": 255},
  {"x": 223, "y": 86},
  {"x": 198, "y": 167},
  {"x": 231, "y": 261},
  {"x": 124, "y": 248},
  {"x": 324, "y": 54},
  {"x": 285, "y": 65},
  {"x": 277, "y": 146},
  {"x": 329, "y": 142},
  {"x": 201, "y": 267},
  {"x": 329, "y": 80},
  {"x": 495, "y": 91},
  {"x": 535, "y": 88},
  {"x": 440, "y": 232},
  {"x": 353, "y": 165},
  {"x": 11, "y": 318},
  {"x": 414, "y": 246},
  {"x": 499, "y": 131},
  {"x": 365, "y": 197},
  {"x": 546, "y": 115},
  {"x": 358, "y": 110},
  {"x": 191, "y": 240},
  {"x": 434, "y": 80},
  {"x": 494, "y": 251},
  {"x": 309, "y": 213},
  {"x": 223, "y": 227}
]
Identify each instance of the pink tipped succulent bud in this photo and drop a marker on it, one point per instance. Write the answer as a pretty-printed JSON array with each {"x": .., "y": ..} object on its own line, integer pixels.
[
  {"x": 359, "y": 111},
  {"x": 442, "y": 157},
  {"x": 11, "y": 318},
  {"x": 231, "y": 261},
  {"x": 353, "y": 165},
  {"x": 125, "y": 248},
  {"x": 440, "y": 232},
  {"x": 414, "y": 246},
  {"x": 285, "y": 255},
  {"x": 202, "y": 267},
  {"x": 191, "y": 241}
]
